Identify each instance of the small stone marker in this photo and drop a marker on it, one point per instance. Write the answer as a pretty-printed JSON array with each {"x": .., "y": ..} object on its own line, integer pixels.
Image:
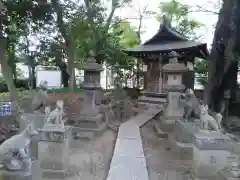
[
  {"x": 210, "y": 154},
  {"x": 53, "y": 152}
]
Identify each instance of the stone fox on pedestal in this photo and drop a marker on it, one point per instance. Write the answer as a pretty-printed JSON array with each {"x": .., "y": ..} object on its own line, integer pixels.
[
  {"x": 191, "y": 104},
  {"x": 55, "y": 117},
  {"x": 193, "y": 108}
]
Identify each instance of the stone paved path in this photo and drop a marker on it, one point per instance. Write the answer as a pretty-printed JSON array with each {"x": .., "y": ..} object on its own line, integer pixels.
[{"x": 128, "y": 161}]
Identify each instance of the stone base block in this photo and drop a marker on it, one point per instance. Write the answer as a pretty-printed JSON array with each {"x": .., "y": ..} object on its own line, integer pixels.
[
  {"x": 54, "y": 174},
  {"x": 88, "y": 133},
  {"x": 184, "y": 131},
  {"x": 159, "y": 131},
  {"x": 224, "y": 174},
  {"x": 166, "y": 125},
  {"x": 194, "y": 177},
  {"x": 180, "y": 147},
  {"x": 15, "y": 175},
  {"x": 91, "y": 122}
]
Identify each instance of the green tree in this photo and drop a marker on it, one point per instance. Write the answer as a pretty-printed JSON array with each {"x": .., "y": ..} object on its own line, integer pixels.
[
  {"x": 13, "y": 18},
  {"x": 92, "y": 20},
  {"x": 178, "y": 15}
]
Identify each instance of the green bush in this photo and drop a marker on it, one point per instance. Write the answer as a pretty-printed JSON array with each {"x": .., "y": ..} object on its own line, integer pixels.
[
  {"x": 21, "y": 84},
  {"x": 134, "y": 93}
]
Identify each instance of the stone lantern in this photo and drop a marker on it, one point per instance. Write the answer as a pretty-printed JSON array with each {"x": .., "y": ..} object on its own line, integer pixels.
[
  {"x": 90, "y": 120},
  {"x": 173, "y": 72}
]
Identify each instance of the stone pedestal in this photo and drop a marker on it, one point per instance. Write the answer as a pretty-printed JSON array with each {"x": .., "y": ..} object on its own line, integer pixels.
[
  {"x": 174, "y": 111},
  {"x": 210, "y": 154},
  {"x": 232, "y": 169},
  {"x": 37, "y": 120},
  {"x": 53, "y": 152},
  {"x": 15, "y": 175},
  {"x": 91, "y": 121},
  {"x": 182, "y": 138},
  {"x": 225, "y": 174}
]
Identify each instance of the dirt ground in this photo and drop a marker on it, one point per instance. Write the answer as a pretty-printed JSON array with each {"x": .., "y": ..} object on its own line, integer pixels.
[
  {"x": 162, "y": 162},
  {"x": 91, "y": 160}
]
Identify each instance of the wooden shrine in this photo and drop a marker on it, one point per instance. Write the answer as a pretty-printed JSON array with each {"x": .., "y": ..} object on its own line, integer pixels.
[{"x": 155, "y": 51}]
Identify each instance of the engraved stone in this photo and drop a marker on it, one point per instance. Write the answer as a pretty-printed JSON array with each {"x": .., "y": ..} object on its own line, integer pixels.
[
  {"x": 174, "y": 109},
  {"x": 210, "y": 153},
  {"x": 53, "y": 151}
]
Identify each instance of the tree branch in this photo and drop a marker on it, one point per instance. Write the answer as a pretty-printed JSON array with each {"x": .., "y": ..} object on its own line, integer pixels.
[
  {"x": 202, "y": 9},
  {"x": 110, "y": 17},
  {"x": 60, "y": 24}
]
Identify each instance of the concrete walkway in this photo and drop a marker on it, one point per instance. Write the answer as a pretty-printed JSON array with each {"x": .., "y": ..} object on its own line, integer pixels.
[{"x": 128, "y": 161}]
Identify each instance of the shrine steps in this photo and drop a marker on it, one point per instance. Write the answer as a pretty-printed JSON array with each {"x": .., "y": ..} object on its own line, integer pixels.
[{"x": 152, "y": 98}]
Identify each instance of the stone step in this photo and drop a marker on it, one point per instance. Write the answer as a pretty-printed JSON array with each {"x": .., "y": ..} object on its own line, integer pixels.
[
  {"x": 179, "y": 147},
  {"x": 159, "y": 132},
  {"x": 87, "y": 133},
  {"x": 154, "y": 94},
  {"x": 152, "y": 100}
]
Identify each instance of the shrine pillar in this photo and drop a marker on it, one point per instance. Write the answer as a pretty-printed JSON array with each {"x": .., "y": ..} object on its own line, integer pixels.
[
  {"x": 153, "y": 77},
  {"x": 153, "y": 93}
]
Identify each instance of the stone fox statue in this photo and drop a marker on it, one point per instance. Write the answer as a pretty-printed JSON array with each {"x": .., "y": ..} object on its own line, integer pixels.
[
  {"x": 40, "y": 98},
  {"x": 191, "y": 104},
  {"x": 208, "y": 121},
  {"x": 37, "y": 100},
  {"x": 56, "y": 116},
  {"x": 14, "y": 152}
]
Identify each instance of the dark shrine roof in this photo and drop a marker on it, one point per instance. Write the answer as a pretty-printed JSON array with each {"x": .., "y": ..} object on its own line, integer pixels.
[{"x": 167, "y": 39}]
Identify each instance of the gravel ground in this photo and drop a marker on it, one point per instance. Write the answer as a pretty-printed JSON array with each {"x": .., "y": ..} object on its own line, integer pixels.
[{"x": 162, "y": 163}]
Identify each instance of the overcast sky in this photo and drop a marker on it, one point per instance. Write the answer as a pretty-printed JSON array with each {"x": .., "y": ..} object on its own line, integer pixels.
[{"x": 150, "y": 25}]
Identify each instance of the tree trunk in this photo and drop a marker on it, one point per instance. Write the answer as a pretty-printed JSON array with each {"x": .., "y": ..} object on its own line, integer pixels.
[
  {"x": 33, "y": 79},
  {"x": 65, "y": 75},
  {"x": 68, "y": 42},
  {"x": 71, "y": 69},
  {"x": 30, "y": 77},
  {"x": 7, "y": 74},
  {"x": 225, "y": 45}
]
